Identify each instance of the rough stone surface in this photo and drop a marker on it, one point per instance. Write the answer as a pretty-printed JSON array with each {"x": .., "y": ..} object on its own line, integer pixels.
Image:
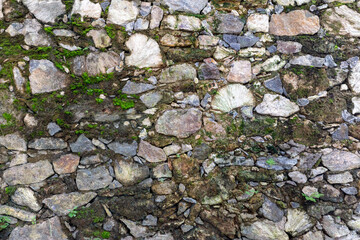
[
  {"x": 45, "y": 10},
  {"x": 93, "y": 179},
  {"x": 122, "y": 12},
  {"x": 185, "y": 5},
  {"x": 177, "y": 73},
  {"x": 151, "y": 153},
  {"x": 86, "y": 8},
  {"x": 26, "y": 197},
  {"x": 13, "y": 142},
  {"x": 277, "y": 106},
  {"x": 263, "y": 230},
  {"x": 240, "y": 72},
  {"x": 337, "y": 160},
  {"x": 130, "y": 173},
  {"x": 66, "y": 164}
]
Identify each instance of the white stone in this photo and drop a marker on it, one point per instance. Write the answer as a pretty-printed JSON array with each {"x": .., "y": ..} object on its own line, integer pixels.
[
  {"x": 181, "y": 22},
  {"x": 145, "y": 52},
  {"x": 86, "y": 8},
  {"x": 340, "y": 178},
  {"x": 356, "y": 102},
  {"x": 285, "y": 2},
  {"x": 301, "y": 2},
  {"x": 1, "y": 13},
  {"x": 258, "y": 23},
  {"x": 156, "y": 16},
  {"x": 45, "y": 10},
  {"x": 26, "y": 197},
  {"x": 298, "y": 177},
  {"x": 342, "y": 21},
  {"x": 189, "y": 6},
  {"x": 277, "y": 106},
  {"x": 240, "y": 72},
  {"x": 232, "y": 96},
  {"x": 122, "y": 12},
  {"x": 354, "y": 78}
]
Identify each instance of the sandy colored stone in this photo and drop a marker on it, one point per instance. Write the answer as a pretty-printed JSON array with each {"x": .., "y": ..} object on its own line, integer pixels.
[
  {"x": 66, "y": 163},
  {"x": 240, "y": 72}
]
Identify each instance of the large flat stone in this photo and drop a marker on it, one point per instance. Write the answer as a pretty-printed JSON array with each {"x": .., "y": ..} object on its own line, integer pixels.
[
  {"x": 13, "y": 141},
  {"x": 45, "y": 10},
  {"x": 277, "y": 106},
  {"x": 130, "y": 173},
  {"x": 189, "y": 6},
  {"x": 122, "y": 12},
  {"x": 337, "y": 160},
  {"x": 178, "y": 73},
  {"x": 93, "y": 178}
]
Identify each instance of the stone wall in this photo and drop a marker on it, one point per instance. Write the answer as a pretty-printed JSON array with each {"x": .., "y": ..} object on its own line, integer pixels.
[{"x": 179, "y": 119}]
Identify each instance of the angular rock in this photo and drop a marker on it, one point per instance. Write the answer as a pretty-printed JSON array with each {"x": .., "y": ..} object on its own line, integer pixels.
[
  {"x": 156, "y": 16},
  {"x": 185, "y": 5},
  {"x": 100, "y": 38},
  {"x": 354, "y": 78},
  {"x": 48, "y": 144},
  {"x": 53, "y": 128},
  {"x": 93, "y": 178},
  {"x": 240, "y": 72},
  {"x": 82, "y": 144},
  {"x": 136, "y": 230},
  {"x": 17, "y": 213},
  {"x": 26, "y": 197},
  {"x": 181, "y": 22},
  {"x": 298, "y": 177},
  {"x": 288, "y": 47},
  {"x": 261, "y": 230},
  {"x": 342, "y": 20},
  {"x": 45, "y": 10},
  {"x": 277, "y": 106},
  {"x": 208, "y": 71},
  {"x": 340, "y": 178},
  {"x": 298, "y": 222},
  {"x": 28, "y": 173},
  {"x": 162, "y": 171},
  {"x": 126, "y": 149},
  {"x": 342, "y": 133},
  {"x": 276, "y": 163},
  {"x": 294, "y": 23},
  {"x": 130, "y": 173},
  {"x": 62, "y": 204},
  {"x": 136, "y": 88},
  {"x": 122, "y": 12},
  {"x": 258, "y": 23},
  {"x": 145, "y": 52},
  {"x": 178, "y": 73},
  {"x": 48, "y": 230},
  {"x": 13, "y": 141},
  {"x": 274, "y": 84},
  {"x": 151, "y": 99},
  {"x": 19, "y": 80},
  {"x": 333, "y": 229},
  {"x": 45, "y": 77},
  {"x": 232, "y": 96},
  {"x": 337, "y": 160},
  {"x": 308, "y": 60},
  {"x": 271, "y": 211},
  {"x": 86, "y": 8},
  {"x": 66, "y": 164},
  {"x": 151, "y": 153},
  {"x": 180, "y": 123},
  {"x": 229, "y": 23}
]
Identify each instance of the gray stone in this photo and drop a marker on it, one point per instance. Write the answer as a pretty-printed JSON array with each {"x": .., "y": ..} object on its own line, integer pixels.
[
  {"x": 261, "y": 230},
  {"x": 136, "y": 230},
  {"x": 185, "y": 5},
  {"x": 181, "y": 22},
  {"x": 45, "y": 10},
  {"x": 162, "y": 171},
  {"x": 277, "y": 106},
  {"x": 302, "y": 102},
  {"x": 350, "y": 190},
  {"x": 63, "y": 204},
  {"x": 26, "y": 197},
  {"x": 288, "y": 47},
  {"x": 13, "y": 141},
  {"x": 340, "y": 178},
  {"x": 17, "y": 213},
  {"x": 298, "y": 177},
  {"x": 354, "y": 77},
  {"x": 19, "y": 80},
  {"x": 333, "y": 229},
  {"x": 229, "y": 23},
  {"x": 201, "y": 151},
  {"x": 337, "y": 160},
  {"x": 276, "y": 163},
  {"x": 141, "y": 24},
  {"x": 53, "y": 128},
  {"x": 329, "y": 61},
  {"x": 180, "y": 123},
  {"x": 82, "y": 144},
  {"x": 48, "y": 144},
  {"x": 136, "y": 88},
  {"x": 298, "y": 222},
  {"x": 151, "y": 153},
  {"x": 178, "y": 73},
  {"x": 271, "y": 211},
  {"x": 156, "y": 16},
  {"x": 240, "y": 72},
  {"x": 45, "y": 77},
  {"x": 93, "y": 178},
  {"x": 247, "y": 40},
  {"x": 308, "y": 160},
  {"x": 274, "y": 84},
  {"x": 28, "y": 173},
  {"x": 125, "y": 149},
  {"x": 308, "y": 60},
  {"x": 48, "y": 230},
  {"x": 150, "y": 220}
]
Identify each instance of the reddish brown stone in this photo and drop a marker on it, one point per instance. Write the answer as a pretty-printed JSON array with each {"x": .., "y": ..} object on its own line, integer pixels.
[{"x": 66, "y": 163}]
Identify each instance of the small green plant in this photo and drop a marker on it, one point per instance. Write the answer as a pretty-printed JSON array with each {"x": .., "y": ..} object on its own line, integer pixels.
[
  {"x": 73, "y": 213},
  {"x": 313, "y": 196},
  {"x": 10, "y": 190},
  {"x": 33, "y": 220},
  {"x": 4, "y": 222},
  {"x": 251, "y": 192},
  {"x": 271, "y": 161}
]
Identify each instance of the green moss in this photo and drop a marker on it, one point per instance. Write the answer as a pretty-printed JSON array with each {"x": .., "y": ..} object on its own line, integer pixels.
[
  {"x": 110, "y": 29},
  {"x": 10, "y": 190}
]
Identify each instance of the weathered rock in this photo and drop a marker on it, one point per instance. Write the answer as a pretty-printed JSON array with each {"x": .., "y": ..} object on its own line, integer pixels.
[
  {"x": 93, "y": 178},
  {"x": 17, "y": 213},
  {"x": 334, "y": 230},
  {"x": 229, "y": 23},
  {"x": 45, "y": 77},
  {"x": 100, "y": 38},
  {"x": 86, "y": 8},
  {"x": 122, "y": 12},
  {"x": 136, "y": 230},
  {"x": 151, "y": 99},
  {"x": 151, "y": 153},
  {"x": 181, "y": 22},
  {"x": 130, "y": 173},
  {"x": 341, "y": 133},
  {"x": 62, "y": 204},
  {"x": 66, "y": 164},
  {"x": 232, "y": 96},
  {"x": 136, "y": 88},
  {"x": 164, "y": 187},
  {"x": 48, "y": 230},
  {"x": 179, "y": 123},
  {"x": 178, "y": 73},
  {"x": 288, "y": 47},
  {"x": 271, "y": 211},
  {"x": 308, "y": 60},
  {"x": 294, "y": 23},
  {"x": 53, "y": 128},
  {"x": 26, "y": 197},
  {"x": 145, "y": 52},
  {"x": 277, "y": 106},
  {"x": 45, "y": 10},
  {"x": 162, "y": 171},
  {"x": 240, "y": 72},
  {"x": 298, "y": 177},
  {"x": 276, "y": 163},
  {"x": 48, "y": 144},
  {"x": 82, "y": 144},
  {"x": 298, "y": 222},
  {"x": 340, "y": 178},
  {"x": 28, "y": 173},
  {"x": 342, "y": 20},
  {"x": 126, "y": 149},
  {"x": 258, "y": 23},
  {"x": 274, "y": 84},
  {"x": 261, "y": 230},
  {"x": 185, "y": 5},
  {"x": 13, "y": 141},
  {"x": 156, "y": 16},
  {"x": 337, "y": 160},
  {"x": 208, "y": 71},
  {"x": 354, "y": 78}
]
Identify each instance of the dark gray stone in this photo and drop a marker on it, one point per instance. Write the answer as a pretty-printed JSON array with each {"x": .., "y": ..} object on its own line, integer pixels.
[
  {"x": 208, "y": 71},
  {"x": 126, "y": 149},
  {"x": 274, "y": 84},
  {"x": 271, "y": 211},
  {"x": 342, "y": 133},
  {"x": 48, "y": 144},
  {"x": 82, "y": 144},
  {"x": 201, "y": 151}
]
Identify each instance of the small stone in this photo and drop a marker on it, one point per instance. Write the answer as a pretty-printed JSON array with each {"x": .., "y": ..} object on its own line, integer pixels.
[
  {"x": 93, "y": 178},
  {"x": 86, "y": 8},
  {"x": 100, "y": 38},
  {"x": 26, "y": 197},
  {"x": 82, "y": 144},
  {"x": 48, "y": 144},
  {"x": 125, "y": 149},
  {"x": 181, "y": 22},
  {"x": 274, "y": 84},
  {"x": 350, "y": 190},
  {"x": 164, "y": 188},
  {"x": 13, "y": 141},
  {"x": 277, "y": 106},
  {"x": 53, "y": 128},
  {"x": 333, "y": 229},
  {"x": 156, "y": 16},
  {"x": 354, "y": 78},
  {"x": 151, "y": 99},
  {"x": 308, "y": 60},
  {"x": 130, "y": 173},
  {"x": 45, "y": 10},
  {"x": 150, "y": 152},
  {"x": 340, "y": 178},
  {"x": 342, "y": 133},
  {"x": 240, "y": 72},
  {"x": 136, "y": 230},
  {"x": 202, "y": 151},
  {"x": 185, "y": 5},
  {"x": 122, "y": 12},
  {"x": 287, "y": 47},
  {"x": 258, "y": 23},
  {"x": 66, "y": 164},
  {"x": 149, "y": 220},
  {"x": 298, "y": 222},
  {"x": 229, "y": 23},
  {"x": 136, "y": 88},
  {"x": 178, "y": 73},
  {"x": 271, "y": 211},
  {"x": 162, "y": 171},
  {"x": 298, "y": 177},
  {"x": 63, "y": 204},
  {"x": 208, "y": 71}
]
